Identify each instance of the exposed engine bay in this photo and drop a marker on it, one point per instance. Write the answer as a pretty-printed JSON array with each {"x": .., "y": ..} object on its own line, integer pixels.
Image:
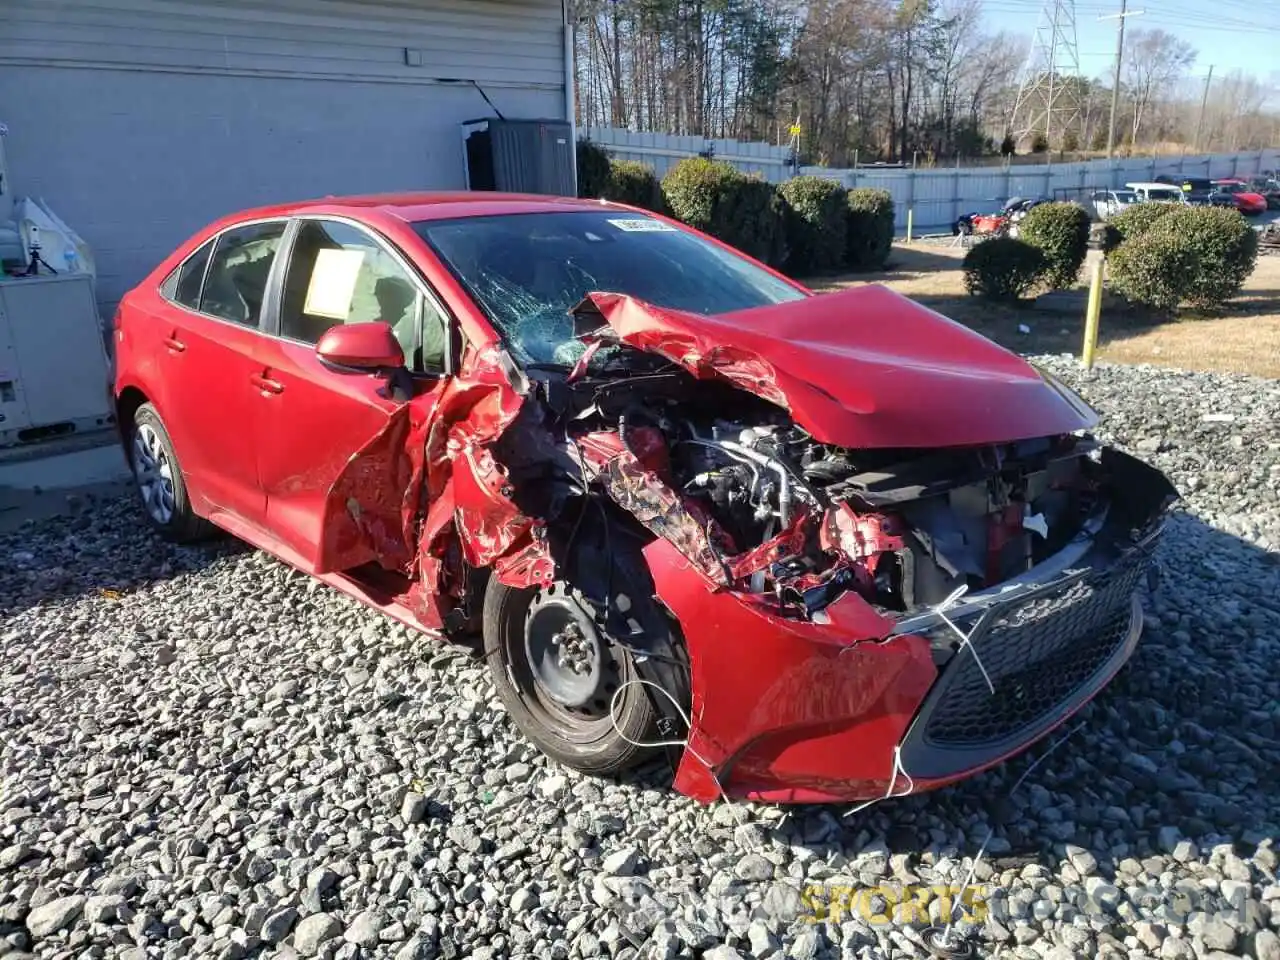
[{"x": 762, "y": 507}]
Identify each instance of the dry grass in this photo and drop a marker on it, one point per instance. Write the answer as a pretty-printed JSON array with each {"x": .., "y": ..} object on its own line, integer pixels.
[{"x": 1244, "y": 338}]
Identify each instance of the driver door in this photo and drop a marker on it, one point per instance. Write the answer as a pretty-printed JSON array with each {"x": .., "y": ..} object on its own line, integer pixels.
[{"x": 319, "y": 418}]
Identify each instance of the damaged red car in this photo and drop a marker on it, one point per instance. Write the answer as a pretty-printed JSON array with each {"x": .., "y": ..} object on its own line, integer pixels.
[{"x": 837, "y": 546}]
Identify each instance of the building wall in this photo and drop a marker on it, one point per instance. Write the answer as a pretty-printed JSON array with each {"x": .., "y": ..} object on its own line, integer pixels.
[{"x": 139, "y": 121}]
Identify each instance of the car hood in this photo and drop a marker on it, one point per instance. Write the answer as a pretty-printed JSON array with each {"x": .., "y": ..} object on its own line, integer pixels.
[{"x": 864, "y": 367}]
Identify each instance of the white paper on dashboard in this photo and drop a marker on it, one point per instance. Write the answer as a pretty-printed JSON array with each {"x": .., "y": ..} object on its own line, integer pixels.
[{"x": 333, "y": 284}]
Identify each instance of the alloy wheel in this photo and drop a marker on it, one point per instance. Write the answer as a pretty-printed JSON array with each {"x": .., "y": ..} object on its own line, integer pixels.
[{"x": 154, "y": 473}]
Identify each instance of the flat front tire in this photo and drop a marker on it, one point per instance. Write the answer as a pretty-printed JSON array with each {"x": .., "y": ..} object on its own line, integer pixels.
[{"x": 568, "y": 684}]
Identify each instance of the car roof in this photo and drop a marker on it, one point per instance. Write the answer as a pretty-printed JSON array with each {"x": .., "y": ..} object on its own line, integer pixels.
[
  {"x": 412, "y": 207},
  {"x": 1148, "y": 184}
]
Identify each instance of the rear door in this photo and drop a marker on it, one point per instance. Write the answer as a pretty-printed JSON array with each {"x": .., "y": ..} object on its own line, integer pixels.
[
  {"x": 207, "y": 325},
  {"x": 319, "y": 419}
]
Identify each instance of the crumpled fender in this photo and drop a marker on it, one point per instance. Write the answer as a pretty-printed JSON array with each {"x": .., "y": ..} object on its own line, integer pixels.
[
  {"x": 436, "y": 450},
  {"x": 864, "y": 367},
  {"x": 464, "y": 477},
  {"x": 776, "y": 699}
]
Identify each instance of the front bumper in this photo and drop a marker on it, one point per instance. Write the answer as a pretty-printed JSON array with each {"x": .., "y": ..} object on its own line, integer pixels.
[
  {"x": 1030, "y": 662},
  {"x": 863, "y": 706}
]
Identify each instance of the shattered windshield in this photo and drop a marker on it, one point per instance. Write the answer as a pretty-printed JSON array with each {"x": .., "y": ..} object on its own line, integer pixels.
[{"x": 527, "y": 271}]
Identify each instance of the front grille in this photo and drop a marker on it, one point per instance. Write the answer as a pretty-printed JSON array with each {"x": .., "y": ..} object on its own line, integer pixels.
[{"x": 1039, "y": 652}]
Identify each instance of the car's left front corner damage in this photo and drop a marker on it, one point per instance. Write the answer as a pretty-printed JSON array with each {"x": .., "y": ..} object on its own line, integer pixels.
[{"x": 808, "y": 579}]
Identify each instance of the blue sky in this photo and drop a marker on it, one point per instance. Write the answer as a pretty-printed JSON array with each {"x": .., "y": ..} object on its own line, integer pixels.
[{"x": 1230, "y": 34}]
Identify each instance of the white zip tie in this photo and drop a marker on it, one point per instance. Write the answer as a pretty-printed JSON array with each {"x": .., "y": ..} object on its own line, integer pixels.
[
  {"x": 613, "y": 719},
  {"x": 688, "y": 725},
  {"x": 893, "y": 782},
  {"x": 940, "y": 610}
]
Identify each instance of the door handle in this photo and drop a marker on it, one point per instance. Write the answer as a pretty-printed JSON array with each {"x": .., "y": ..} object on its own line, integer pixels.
[
  {"x": 174, "y": 344},
  {"x": 266, "y": 384}
]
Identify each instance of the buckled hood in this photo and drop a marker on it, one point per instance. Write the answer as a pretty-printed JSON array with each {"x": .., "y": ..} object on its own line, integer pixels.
[{"x": 864, "y": 367}]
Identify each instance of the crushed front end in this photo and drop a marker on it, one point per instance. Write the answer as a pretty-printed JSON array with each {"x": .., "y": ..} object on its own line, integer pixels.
[
  {"x": 894, "y": 553},
  {"x": 865, "y": 622},
  {"x": 915, "y": 621}
]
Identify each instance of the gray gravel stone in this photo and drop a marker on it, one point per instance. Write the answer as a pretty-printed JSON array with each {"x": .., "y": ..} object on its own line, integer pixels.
[
  {"x": 55, "y": 915},
  {"x": 1266, "y": 945},
  {"x": 621, "y": 863},
  {"x": 278, "y": 925},
  {"x": 312, "y": 932},
  {"x": 103, "y": 909}
]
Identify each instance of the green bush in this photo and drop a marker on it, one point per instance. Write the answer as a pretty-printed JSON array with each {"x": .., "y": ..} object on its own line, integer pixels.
[
  {"x": 815, "y": 214},
  {"x": 870, "y": 229},
  {"x": 714, "y": 197},
  {"x": 1195, "y": 255},
  {"x": 593, "y": 170},
  {"x": 1223, "y": 249},
  {"x": 754, "y": 221},
  {"x": 1151, "y": 269},
  {"x": 1138, "y": 218},
  {"x": 1061, "y": 231},
  {"x": 635, "y": 183},
  {"x": 1003, "y": 268}
]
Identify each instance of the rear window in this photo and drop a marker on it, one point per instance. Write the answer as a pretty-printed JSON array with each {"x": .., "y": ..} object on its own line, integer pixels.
[{"x": 183, "y": 285}]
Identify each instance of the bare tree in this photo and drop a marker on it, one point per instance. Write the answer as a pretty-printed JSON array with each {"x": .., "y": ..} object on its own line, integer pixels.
[
  {"x": 877, "y": 79},
  {"x": 1156, "y": 60}
]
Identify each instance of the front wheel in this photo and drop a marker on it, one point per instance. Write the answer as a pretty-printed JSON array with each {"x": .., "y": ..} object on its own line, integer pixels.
[{"x": 567, "y": 676}]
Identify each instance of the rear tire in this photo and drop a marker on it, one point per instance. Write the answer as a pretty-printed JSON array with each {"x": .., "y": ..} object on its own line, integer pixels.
[
  {"x": 159, "y": 480},
  {"x": 527, "y": 632}
]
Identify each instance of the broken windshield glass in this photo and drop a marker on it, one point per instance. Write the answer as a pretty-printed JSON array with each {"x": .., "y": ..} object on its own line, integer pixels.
[{"x": 528, "y": 271}]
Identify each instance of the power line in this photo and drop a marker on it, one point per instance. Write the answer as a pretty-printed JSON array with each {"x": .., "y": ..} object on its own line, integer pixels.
[{"x": 1115, "y": 87}]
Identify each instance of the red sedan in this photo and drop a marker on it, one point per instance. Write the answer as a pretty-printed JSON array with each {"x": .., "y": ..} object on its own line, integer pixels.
[
  {"x": 1246, "y": 200},
  {"x": 838, "y": 547}
]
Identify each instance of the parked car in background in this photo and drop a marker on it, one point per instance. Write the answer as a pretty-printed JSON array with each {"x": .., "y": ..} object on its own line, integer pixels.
[
  {"x": 1156, "y": 192},
  {"x": 1269, "y": 189},
  {"x": 838, "y": 546},
  {"x": 1107, "y": 203},
  {"x": 1246, "y": 200}
]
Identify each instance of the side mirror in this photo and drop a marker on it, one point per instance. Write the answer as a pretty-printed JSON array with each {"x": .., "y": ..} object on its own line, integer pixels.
[{"x": 361, "y": 346}]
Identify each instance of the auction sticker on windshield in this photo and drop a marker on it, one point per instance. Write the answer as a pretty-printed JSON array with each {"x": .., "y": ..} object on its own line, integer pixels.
[{"x": 643, "y": 225}]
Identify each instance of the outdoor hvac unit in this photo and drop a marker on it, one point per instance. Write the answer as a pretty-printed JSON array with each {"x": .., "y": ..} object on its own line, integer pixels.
[
  {"x": 54, "y": 375},
  {"x": 519, "y": 156}
]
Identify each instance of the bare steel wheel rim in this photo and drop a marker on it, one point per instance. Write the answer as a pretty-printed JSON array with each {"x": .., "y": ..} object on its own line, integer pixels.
[
  {"x": 154, "y": 473},
  {"x": 567, "y": 671}
]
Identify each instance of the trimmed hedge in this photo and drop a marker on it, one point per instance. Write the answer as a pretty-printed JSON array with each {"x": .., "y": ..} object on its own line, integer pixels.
[
  {"x": 1004, "y": 269},
  {"x": 1138, "y": 218},
  {"x": 815, "y": 211},
  {"x": 714, "y": 197},
  {"x": 1061, "y": 231},
  {"x": 1151, "y": 269},
  {"x": 1195, "y": 255},
  {"x": 1224, "y": 251},
  {"x": 633, "y": 182},
  {"x": 594, "y": 173},
  {"x": 870, "y": 229}
]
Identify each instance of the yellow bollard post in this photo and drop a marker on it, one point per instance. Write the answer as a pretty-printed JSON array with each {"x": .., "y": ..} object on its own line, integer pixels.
[
  {"x": 911, "y": 216},
  {"x": 1093, "y": 315}
]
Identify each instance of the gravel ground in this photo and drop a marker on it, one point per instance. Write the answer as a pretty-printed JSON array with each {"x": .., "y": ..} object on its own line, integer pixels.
[{"x": 206, "y": 754}]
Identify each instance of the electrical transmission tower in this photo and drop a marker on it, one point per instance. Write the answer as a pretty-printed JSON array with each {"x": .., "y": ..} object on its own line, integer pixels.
[{"x": 1049, "y": 89}]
